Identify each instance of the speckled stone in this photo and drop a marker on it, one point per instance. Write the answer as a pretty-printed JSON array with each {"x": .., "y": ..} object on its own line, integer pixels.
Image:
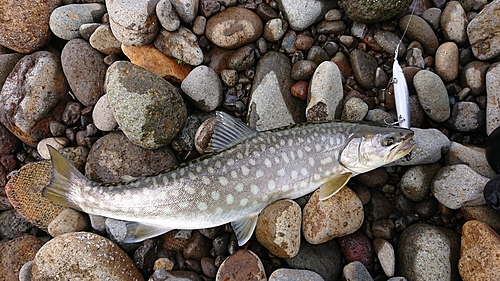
[
  {"x": 103, "y": 40},
  {"x": 186, "y": 9},
  {"x": 83, "y": 256},
  {"x": 15, "y": 253},
  {"x": 466, "y": 116},
  {"x": 242, "y": 265},
  {"x": 65, "y": 21},
  {"x": 287, "y": 274},
  {"x": 7, "y": 62},
  {"x": 181, "y": 44},
  {"x": 167, "y": 16},
  {"x": 483, "y": 213},
  {"x": 355, "y": 109},
  {"x": 415, "y": 182},
  {"x": 356, "y": 271},
  {"x": 364, "y": 67},
  {"x": 68, "y": 221},
  {"x": 472, "y": 156},
  {"x": 203, "y": 86},
  {"x": 325, "y": 93},
  {"x": 482, "y": 32},
  {"x": 102, "y": 115},
  {"x": 389, "y": 42},
  {"x": 454, "y": 23},
  {"x": 431, "y": 145},
  {"x": 386, "y": 256},
  {"x": 301, "y": 14},
  {"x": 473, "y": 75},
  {"x": 370, "y": 12},
  {"x": 493, "y": 98},
  {"x": 419, "y": 30}
]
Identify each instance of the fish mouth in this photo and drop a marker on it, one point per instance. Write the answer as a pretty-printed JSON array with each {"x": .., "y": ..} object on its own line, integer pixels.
[{"x": 405, "y": 147}]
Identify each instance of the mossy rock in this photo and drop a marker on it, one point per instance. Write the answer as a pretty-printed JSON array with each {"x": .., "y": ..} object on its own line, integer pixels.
[{"x": 371, "y": 11}]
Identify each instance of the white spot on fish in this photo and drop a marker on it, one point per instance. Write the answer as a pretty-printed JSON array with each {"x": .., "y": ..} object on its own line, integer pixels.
[
  {"x": 218, "y": 210},
  {"x": 271, "y": 185},
  {"x": 307, "y": 148},
  {"x": 190, "y": 190},
  {"x": 285, "y": 188},
  {"x": 259, "y": 174},
  {"x": 326, "y": 160},
  {"x": 277, "y": 160},
  {"x": 292, "y": 155},
  {"x": 184, "y": 204},
  {"x": 262, "y": 147},
  {"x": 203, "y": 192},
  {"x": 282, "y": 142},
  {"x": 285, "y": 157},
  {"x": 272, "y": 149},
  {"x": 327, "y": 173},
  {"x": 311, "y": 162},
  {"x": 265, "y": 197},
  {"x": 198, "y": 169},
  {"x": 317, "y": 147},
  {"x": 254, "y": 189},
  {"x": 234, "y": 174},
  {"x": 281, "y": 172},
  {"x": 229, "y": 199},
  {"x": 181, "y": 172},
  {"x": 223, "y": 181},
  {"x": 243, "y": 202},
  {"x": 165, "y": 180},
  {"x": 255, "y": 203},
  {"x": 215, "y": 195},
  {"x": 191, "y": 175},
  {"x": 174, "y": 176},
  {"x": 205, "y": 180},
  {"x": 316, "y": 177},
  {"x": 230, "y": 162},
  {"x": 294, "y": 175},
  {"x": 304, "y": 171},
  {"x": 300, "y": 153},
  {"x": 239, "y": 155},
  {"x": 218, "y": 164},
  {"x": 210, "y": 169},
  {"x": 290, "y": 142},
  {"x": 245, "y": 170},
  {"x": 202, "y": 206},
  {"x": 239, "y": 187},
  {"x": 251, "y": 162},
  {"x": 268, "y": 163}
]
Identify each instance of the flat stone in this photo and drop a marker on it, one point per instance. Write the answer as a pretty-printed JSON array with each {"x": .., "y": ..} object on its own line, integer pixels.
[
  {"x": 15, "y": 253},
  {"x": 431, "y": 145},
  {"x": 471, "y": 156},
  {"x": 302, "y": 14},
  {"x": 371, "y": 12},
  {"x": 325, "y": 93},
  {"x": 242, "y": 265},
  {"x": 482, "y": 32},
  {"x": 432, "y": 95},
  {"x": 447, "y": 61},
  {"x": 419, "y": 30},
  {"x": 364, "y": 67},
  {"x": 493, "y": 98},
  {"x": 181, "y": 44},
  {"x": 454, "y": 23},
  {"x": 103, "y": 39},
  {"x": 65, "y": 21},
  {"x": 203, "y": 86},
  {"x": 287, "y": 274},
  {"x": 415, "y": 182}
]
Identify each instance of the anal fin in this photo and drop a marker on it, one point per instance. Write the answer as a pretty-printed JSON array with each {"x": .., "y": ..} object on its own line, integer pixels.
[
  {"x": 228, "y": 132},
  {"x": 243, "y": 228},
  {"x": 137, "y": 232},
  {"x": 333, "y": 185}
]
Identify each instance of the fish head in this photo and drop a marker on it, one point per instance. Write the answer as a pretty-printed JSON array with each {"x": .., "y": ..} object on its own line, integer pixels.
[{"x": 373, "y": 146}]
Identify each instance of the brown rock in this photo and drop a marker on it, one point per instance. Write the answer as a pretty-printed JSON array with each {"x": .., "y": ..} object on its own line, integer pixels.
[
  {"x": 447, "y": 63},
  {"x": 10, "y": 143},
  {"x": 24, "y": 24},
  {"x": 479, "y": 252},
  {"x": 15, "y": 253},
  {"x": 204, "y": 135},
  {"x": 299, "y": 90},
  {"x": 242, "y": 265},
  {"x": 483, "y": 213},
  {"x": 357, "y": 247},
  {"x": 374, "y": 178},
  {"x": 150, "y": 58}
]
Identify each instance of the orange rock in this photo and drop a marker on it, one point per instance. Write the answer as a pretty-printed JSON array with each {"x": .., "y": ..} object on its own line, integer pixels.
[
  {"x": 242, "y": 265},
  {"x": 15, "y": 253},
  {"x": 479, "y": 252},
  {"x": 150, "y": 58}
]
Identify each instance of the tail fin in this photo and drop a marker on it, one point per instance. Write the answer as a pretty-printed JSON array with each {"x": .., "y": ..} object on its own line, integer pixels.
[{"x": 65, "y": 180}]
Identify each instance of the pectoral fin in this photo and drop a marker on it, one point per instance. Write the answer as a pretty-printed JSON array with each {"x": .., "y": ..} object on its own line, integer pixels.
[
  {"x": 332, "y": 186},
  {"x": 137, "y": 232},
  {"x": 243, "y": 229}
]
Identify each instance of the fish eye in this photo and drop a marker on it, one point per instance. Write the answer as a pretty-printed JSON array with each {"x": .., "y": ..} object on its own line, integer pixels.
[{"x": 388, "y": 141}]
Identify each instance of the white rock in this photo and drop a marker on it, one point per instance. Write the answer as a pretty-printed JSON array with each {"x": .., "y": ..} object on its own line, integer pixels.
[
  {"x": 167, "y": 16},
  {"x": 472, "y": 156},
  {"x": 431, "y": 145},
  {"x": 325, "y": 92},
  {"x": 386, "y": 256},
  {"x": 68, "y": 221},
  {"x": 55, "y": 142},
  {"x": 203, "y": 87},
  {"x": 493, "y": 98},
  {"x": 103, "y": 115}
]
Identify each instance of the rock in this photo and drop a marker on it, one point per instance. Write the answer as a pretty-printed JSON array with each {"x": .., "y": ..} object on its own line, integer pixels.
[
  {"x": 278, "y": 228},
  {"x": 386, "y": 256},
  {"x": 446, "y": 61},
  {"x": 56, "y": 142},
  {"x": 181, "y": 44},
  {"x": 274, "y": 29},
  {"x": 419, "y": 30},
  {"x": 364, "y": 67},
  {"x": 324, "y": 259},
  {"x": 431, "y": 144},
  {"x": 414, "y": 57},
  {"x": 242, "y": 265},
  {"x": 204, "y": 134},
  {"x": 85, "y": 70},
  {"x": 482, "y": 32},
  {"x": 68, "y": 221},
  {"x": 325, "y": 93},
  {"x": 474, "y": 76},
  {"x": 317, "y": 55},
  {"x": 457, "y": 186},
  {"x": 337, "y": 27},
  {"x": 186, "y": 138},
  {"x": 379, "y": 207},
  {"x": 472, "y": 156},
  {"x": 415, "y": 182},
  {"x": 37, "y": 81},
  {"x": 7, "y": 62},
  {"x": 199, "y": 25},
  {"x": 271, "y": 105},
  {"x": 167, "y": 16},
  {"x": 337, "y": 216},
  {"x": 466, "y": 116},
  {"x": 478, "y": 252},
  {"x": 379, "y": 116},
  {"x": 427, "y": 252},
  {"x": 356, "y": 271},
  {"x": 492, "y": 193},
  {"x": 374, "y": 178},
  {"x": 303, "y": 70},
  {"x": 234, "y": 27},
  {"x": 102, "y": 115},
  {"x": 432, "y": 16},
  {"x": 303, "y": 42},
  {"x": 186, "y": 9},
  {"x": 493, "y": 98},
  {"x": 304, "y": 13},
  {"x": 197, "y": 247},
  {"x": 15, "y": 253},
  {"x": 104, "y": 40},
  {"x": 203, "y": 87},
  {"x": 357, "y": 247},
  {"x": 286, "y": 274},
  {"x": 482, "y": 213},
  {"x": 10, "y": 144},
  {"x": 25, "y": 271},
  {"x": 355, "y": 109},
  {"x": 114, "y": 156},
  {"x": 149, "y": 110},
  {"x": 25, "y": 24},
  {"x": 152, "y": 59},
  {"x": 242, "y": 59},
  {"x": 87, "y": 29},
  {"x": 103, "y": 259},
  {"x": 162, "y": 274},
  {"x": 432, "y": 95},
  {"x": 133, "y": 22},
  {"x": 362, "y": 11},
  {"x": 454, "y": 23},
  {"x": 65, "y": 21},
  {"x": 12, "y": 224},
  {"x": 389, "y": 42}
]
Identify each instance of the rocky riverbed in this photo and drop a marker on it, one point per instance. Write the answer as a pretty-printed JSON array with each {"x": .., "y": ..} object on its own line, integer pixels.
[{"x": 129, "y": 88}]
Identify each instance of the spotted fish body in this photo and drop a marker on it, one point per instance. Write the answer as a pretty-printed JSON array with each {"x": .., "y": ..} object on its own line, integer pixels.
[{"x": 246, "y": 172}]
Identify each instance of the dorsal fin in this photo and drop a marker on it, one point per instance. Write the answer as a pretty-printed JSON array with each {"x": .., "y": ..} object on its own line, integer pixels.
[{"x": 228, "y": 132}]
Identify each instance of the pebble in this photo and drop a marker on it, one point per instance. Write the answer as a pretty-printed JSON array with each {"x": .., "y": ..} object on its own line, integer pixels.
[
  {"x": 152, "y": 59},
  {"x": 324, "y": 259},
  {"x": 116, "y": 229},
  {"x": 242, "y": 59},
  {"x": 15, "y": 253},
  {"x": 25, "y": 24},
  {"x": 482, "y": 213},
  {"x": 133, "y": 22},
  {"x": 204, "y": 134},
  {"x": 474, "y": 76},
  {"x": 104, "y": 40},
  {"x": 286, "y": 274},
  {"x": 12, "y": 224},
  {"x": 199, "y": 25},
  {"x": 278, "y": 228},
  {"x": 380, "y": 116},
  {"x": 102, "y": 115},
  {"x": 87, "y": 29},
  {"x": 479, "y": 249},
  {"x": 389, "y": 42},
  {"x": 274, "y": 29},
  {"x": 303, "y": 70},
  {"x": 303, "y": 13},
  {"x": 471, "y": 156},
  {"x": 431, "y": 145},
  {"x": 234, "y": 27},
  {"x": 427, "y": 252},
  {"x": 386, "y": 256},
  {"x": 432, "y": 95},
  {"x": 271, "y": 105},
  {"x": 493, "y": 98},
  {"x": 414, "y": 57},
  {"x": 325, "y": 93},
  {"x": 419, "y": 30},
  {"x": 317, "y": 55},
  {"x": 355, "y": 109},
  {"x": 114, "y": 156},
  {"x": 364, "y": 67},
  {"x": 142, "y": 102},
  {"x": 186, "y": 9},
  {"x": 83, "y": 256},
  {"x": 303, "y": 42},
  {"x": 25, "y": 271},
  {"x": 181, "y": 275},
  {"x": 457, "y": 186},
  {"x": 8, "y": 61},
  {"x": 482, "y": 32},
  {"x": 357, "y": 247},
  {"x": 85, "y": 70},
  {"x": 356, "y": 271},
  {"x": 447, "y": 61},
  {"x": 181, "y": 44},
  {"x": 167, "y": 16},
  {"x": 68, "y": 221},
  {"x": 242, "y": 265},
  {"x": 37, "y": 79},
  {"x": 379, "y": 207},
  {"x": 209, "y": 7},
  {"x": 55, "y": 142},
  {"x": 164, "y": 263},
  {"x": 415, "y": 182},
  {"x": 203, "y": 87},
  {"x": 466, "y": 116},
  {"x": 362, "y": 11},
  {"x": 374, "y": 178},
  {"x": 65, "y": 21},
  {"x": 432, "y": 16},
  {"x": 454, "y": 23},
  {"x": 337, "y": 27}
]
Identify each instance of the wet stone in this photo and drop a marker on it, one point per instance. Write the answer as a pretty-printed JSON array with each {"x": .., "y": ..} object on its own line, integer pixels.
[
  {"x": 337, "y": 27},
  {"x": 361, "y": 11},
  {"x": 274, "y": 30},
  {"x": 389, "y": 42},
  {"x": 317, "y": 55},
  {"x": 243, "y": 58},
  {"x": 286, "y": 274},
  {"x": 198, "y": 247}
]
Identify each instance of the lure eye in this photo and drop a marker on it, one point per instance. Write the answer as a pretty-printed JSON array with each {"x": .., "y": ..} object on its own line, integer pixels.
[{"x": 388, "y": 141}]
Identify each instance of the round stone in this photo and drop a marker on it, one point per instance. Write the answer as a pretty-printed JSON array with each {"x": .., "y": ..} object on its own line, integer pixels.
[
  {"x": 15, "y": 253},
  {"x": 241, "y": 265},
  {"x": 102, "y": 115},
  {"x": 432, "y": 95},
  {"x": 446, "y": 61},
  {"x": 65, "y": 21},
  {"x": 203, "y": 86}
]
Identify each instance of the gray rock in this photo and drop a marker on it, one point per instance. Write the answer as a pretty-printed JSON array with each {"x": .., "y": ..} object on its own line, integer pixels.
[
  {"x": 379, "y": 116},
  {"x": 356, "y": 271},
  {"x": 117, "y": 229},
  {"x": 149, "y": 110},
  {"x": 98, "y": 223},
  {"x": 454, "y": 23},
  {"x": 386, "y": 255},
  {"x": 419, "y": 30},
  {"x": 432, "y": 16},
  {"x": 355, "y": 109},
  {"x": 167, "y": 16},
  {"x": 65, "y": 21},
  {"x": 466, "y": 116},
  {"x": 203, "y": 87},
  {"x": 337, "y": 27},
  {"x": 186, "y": 9},
  {"x": 303, "y": 69},
  {"x": 229, "y": 77},
  {"x": 414, "y": 57},
  {"x": 493, "y": 98},
  {"x": 457, "y": 186},
  {"x": 104, "y": 40},
  {"x": 287, "y": 274},
  {"x": 133, "y": 22},
  {"x": 374, "y": 11},
  {"x": 398, "y": 278},
  {"x": 181, "y": 44},
  {"x": 317, "y": 55},
  {"x": 243, "y": 58},
  {"x": 483, "y": 34},
  {"x": 359, "y": 30},
  {"x": 87, "y": 29},
  {"x": 12, "y": 224},
  {"x": 274, "y": 29},
  {"x": 427, "y": 252},
  {"x": 446, "y": 61},
  {"x": 471, "y": 156},
  {"x": 85, "y": 70},
  {"x": 187, "y": 135},
  {"x": 325, "y": 93},
  {"x": 432, "y": 95},
  {"x": 25, "y": 271},
  {"x": 333, "y": 14},
  {"x": 389, "y": 42},
  {"x": 271, "y": 105},
  {"x": 55, "y": 142},
  {"x": 302, "y": 14},
  {"x": 7, "y": 63},
  {"x": 199, "y": 25},
  {"x": 415, "y": 182},
  {"x": 68, "y": 221},
  {"x": 431, "y": 144},
  {"x": 474, "y": 76},
  {"x": 364, "y": 67},
  {"x": 102, "y": 115}
]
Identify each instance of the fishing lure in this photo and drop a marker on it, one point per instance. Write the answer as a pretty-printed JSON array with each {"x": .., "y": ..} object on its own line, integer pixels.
[{"x": 401, "y": 93}]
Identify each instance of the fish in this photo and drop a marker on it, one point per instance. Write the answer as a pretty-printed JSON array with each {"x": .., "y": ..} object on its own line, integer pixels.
[{"x": 243, "y": 171}]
